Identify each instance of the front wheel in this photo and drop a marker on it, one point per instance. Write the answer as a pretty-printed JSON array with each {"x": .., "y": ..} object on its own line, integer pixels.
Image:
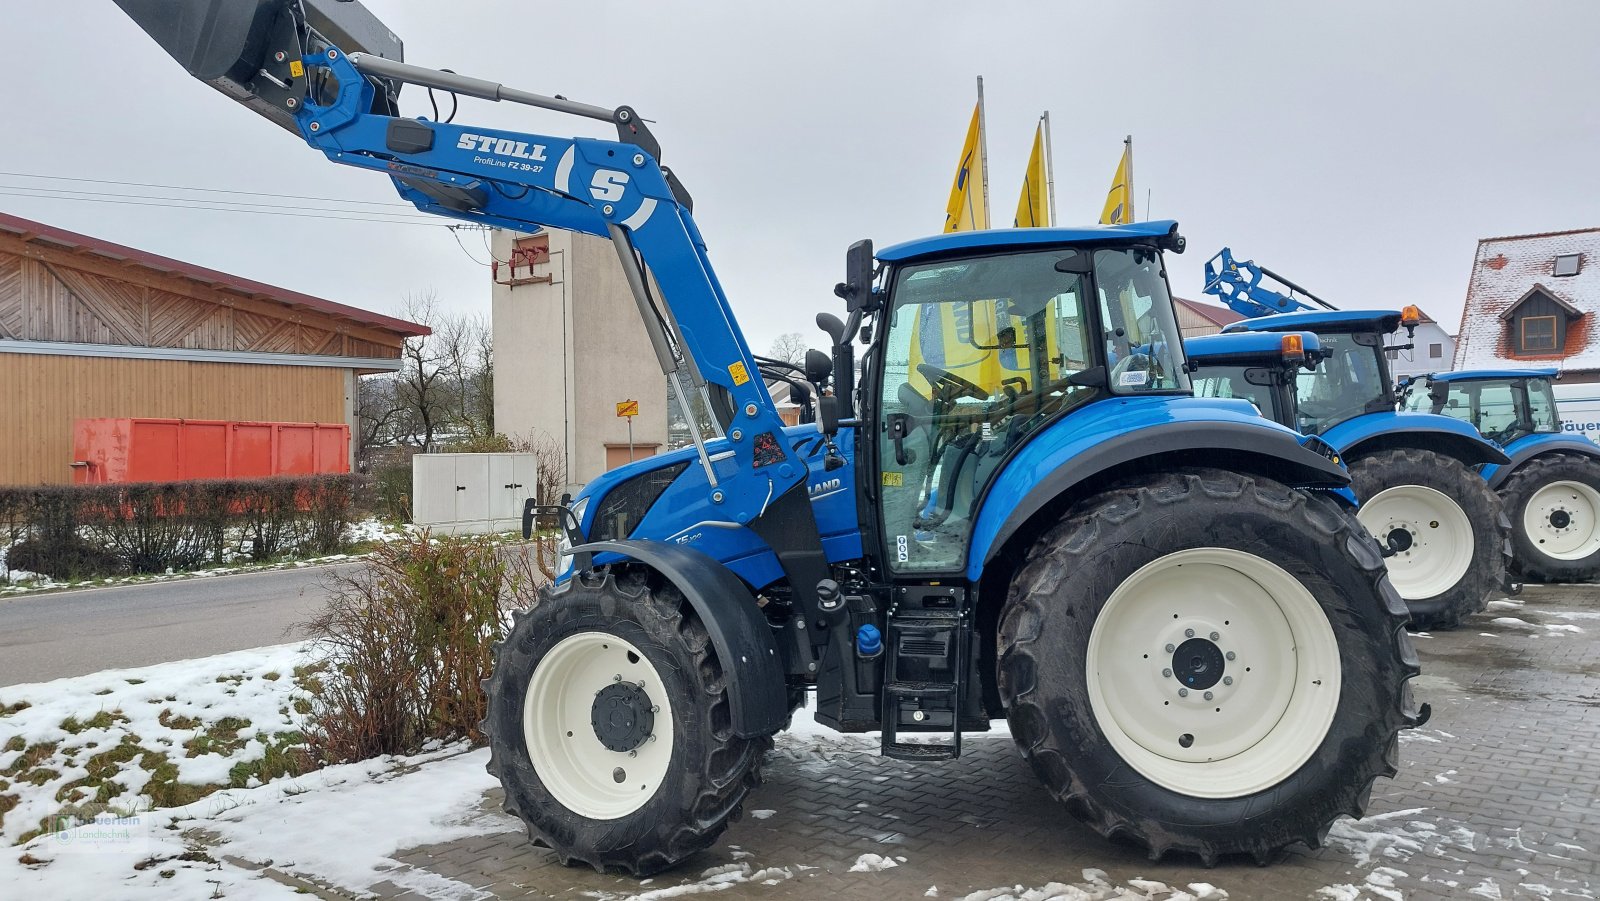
[
  {"x": 609, "y": 726},
  {"x": 1444, "y": 525},
  {"x": 1207, "y": 662},
  {"x": 1554, "y": 504}
]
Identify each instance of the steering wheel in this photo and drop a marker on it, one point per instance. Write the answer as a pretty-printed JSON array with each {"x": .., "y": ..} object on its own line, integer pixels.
[{"x": 954, "y": 384}]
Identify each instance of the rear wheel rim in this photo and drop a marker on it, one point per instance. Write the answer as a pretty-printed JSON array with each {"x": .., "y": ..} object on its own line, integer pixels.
[
  {"x": 1431, "y": 534},
  {"x": 1562, "y": 520},
  {"x": 1213, "y": 672},
  {"x": 584, "y": 692}
]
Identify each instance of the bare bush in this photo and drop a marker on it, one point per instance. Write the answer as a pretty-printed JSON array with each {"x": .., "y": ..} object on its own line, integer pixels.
[{"x": 410, "y": 637}]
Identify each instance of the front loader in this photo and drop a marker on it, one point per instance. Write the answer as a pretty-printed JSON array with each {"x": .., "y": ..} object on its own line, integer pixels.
[
  {"x": 1191, "y": 654},
  {"x": 1415, "y": 473}
]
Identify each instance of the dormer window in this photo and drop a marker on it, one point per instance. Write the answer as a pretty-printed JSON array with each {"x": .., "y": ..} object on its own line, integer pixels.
[
  {"x": 1568, "y": 264},
  {"x": 1538, "y": 334},
  {"x": 1537, "y": 323}
]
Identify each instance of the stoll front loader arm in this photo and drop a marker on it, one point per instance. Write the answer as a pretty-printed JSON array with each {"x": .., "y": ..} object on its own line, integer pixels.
[{"x": 284, "y": 59}]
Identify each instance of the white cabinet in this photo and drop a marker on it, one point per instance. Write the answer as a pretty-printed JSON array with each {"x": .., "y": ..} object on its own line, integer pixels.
[{"x": 471, "y": 494}]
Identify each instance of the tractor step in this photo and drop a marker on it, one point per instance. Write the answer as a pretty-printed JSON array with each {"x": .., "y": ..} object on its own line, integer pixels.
[{"x": 929, "y": 633}]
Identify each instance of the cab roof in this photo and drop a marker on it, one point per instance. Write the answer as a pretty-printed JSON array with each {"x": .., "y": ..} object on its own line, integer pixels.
[
  {"x": 1476, "y": 374},
  {"x": 1383, "y": 321},
  {"x": 997, "y": 238},
  {"x": 1243, "y": 348}
]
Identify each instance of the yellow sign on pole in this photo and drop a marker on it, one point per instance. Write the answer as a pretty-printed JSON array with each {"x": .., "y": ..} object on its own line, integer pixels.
[{"x": 628, "y": 408}]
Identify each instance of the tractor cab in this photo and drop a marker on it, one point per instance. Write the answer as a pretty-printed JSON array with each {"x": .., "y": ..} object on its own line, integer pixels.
[
  {"x": 1352, "y": 378},
  {"x": 1261, "y": 368},
  {"x": 1506, "y": 405}
]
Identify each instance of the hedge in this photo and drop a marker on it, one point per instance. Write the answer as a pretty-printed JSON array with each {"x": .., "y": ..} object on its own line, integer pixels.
[{"x": 86, "y": 531}]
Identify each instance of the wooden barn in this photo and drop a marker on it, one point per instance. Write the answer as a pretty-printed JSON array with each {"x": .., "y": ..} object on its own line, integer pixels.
[{"x": 90, "y": 329}]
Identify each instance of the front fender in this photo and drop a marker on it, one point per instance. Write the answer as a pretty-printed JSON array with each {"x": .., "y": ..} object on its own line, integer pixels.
[
  {"x": 1381, "y": 431},
  {"x": 739, "y": 632},
  {"x": 1089, "y": 443},
  {"x": 1529, "y": 446}
]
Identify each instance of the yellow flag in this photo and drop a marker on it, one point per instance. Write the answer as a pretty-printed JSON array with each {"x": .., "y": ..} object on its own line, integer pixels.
[
  {"x": 1033, "y": 209},
  {"x": 968, "y": 208},
  {"x": 1119, "y": 203}
]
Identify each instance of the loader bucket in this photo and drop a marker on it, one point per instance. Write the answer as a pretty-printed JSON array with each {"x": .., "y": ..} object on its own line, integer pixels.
[{"x": 233, "y": 45}]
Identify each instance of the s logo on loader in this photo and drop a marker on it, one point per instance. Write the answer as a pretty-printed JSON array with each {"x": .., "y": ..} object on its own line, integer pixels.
[{"x": 608, "y": 185}]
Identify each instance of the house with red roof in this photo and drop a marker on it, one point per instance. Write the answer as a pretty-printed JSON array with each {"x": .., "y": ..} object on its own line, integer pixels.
[{"x": 1532, "y": 301}]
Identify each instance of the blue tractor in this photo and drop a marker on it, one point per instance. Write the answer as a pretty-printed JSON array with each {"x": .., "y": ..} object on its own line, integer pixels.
[
  {"x": 1551, "y": 487},
  {"x": 1193, "y": 653},
  {"x": 1415, "y": 473}
]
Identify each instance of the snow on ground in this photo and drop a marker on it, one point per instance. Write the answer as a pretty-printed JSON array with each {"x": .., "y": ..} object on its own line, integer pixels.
[
  {"x": 339, "y": 826},
  {"x": 125, "y": 739}
]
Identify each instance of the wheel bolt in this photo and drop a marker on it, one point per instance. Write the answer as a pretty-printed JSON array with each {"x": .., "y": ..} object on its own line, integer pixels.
[
  {"x": 1183, "y": 692},
  {"x": 657, "y": 709},
  {"x": 1171, "y": 648},
  {"x": 1188, "y": 633},
  {"x": 1166, "y": 674},
  {"x": 1227, "y": 680},
  {"x": 1208, "y": 696},
  {"x": 1231, "y": 655},
  {"x": 1215, "y": 636},
  {"x": 617, "y": 678},
  {"x": 633, "y": 753}
]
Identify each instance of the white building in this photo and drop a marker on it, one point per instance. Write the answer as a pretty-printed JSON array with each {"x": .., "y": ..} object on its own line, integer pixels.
[
  {"x": 1434, "y": 351},
  {"x": 568, "y": 347}
]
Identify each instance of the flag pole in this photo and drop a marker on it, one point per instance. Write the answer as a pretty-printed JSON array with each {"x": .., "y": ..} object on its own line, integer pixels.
[
  {"x": 1133, "y": 215},
  {"x": 983, "y": 150},
  {"x": 1049, "y": 168}
]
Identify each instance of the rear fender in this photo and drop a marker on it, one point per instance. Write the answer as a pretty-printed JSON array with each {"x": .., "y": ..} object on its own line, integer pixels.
[
  {"x": 1428, "y": 431},
  {"x": 738, "y": 630},
  {"x": 1083, "y": 452},
  {"x": 1525, "y": 449}
]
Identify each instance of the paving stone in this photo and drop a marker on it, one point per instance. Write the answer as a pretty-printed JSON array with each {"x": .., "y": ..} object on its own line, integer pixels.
[{"x": 1516, "y": 717}]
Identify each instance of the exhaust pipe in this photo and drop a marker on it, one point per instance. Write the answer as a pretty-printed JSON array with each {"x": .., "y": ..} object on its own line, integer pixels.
[{"x": 251, "y": 49}]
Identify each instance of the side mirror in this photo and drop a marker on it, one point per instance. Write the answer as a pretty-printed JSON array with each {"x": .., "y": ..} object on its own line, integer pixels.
[
  {"x": 828, "y": 415},
  {"x": 856, "y": 289},
  {"x": 833, "y": 325},
  {"x": 819, "y": 367}
]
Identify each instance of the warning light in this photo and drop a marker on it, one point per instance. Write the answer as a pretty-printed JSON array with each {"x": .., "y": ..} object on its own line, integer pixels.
[
  {"x": 1411, "y": 316},
  {"x": 1294, "y": 349}
]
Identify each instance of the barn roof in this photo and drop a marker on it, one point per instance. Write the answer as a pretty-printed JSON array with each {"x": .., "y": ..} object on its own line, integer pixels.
[{"x": 39, "y": 233}]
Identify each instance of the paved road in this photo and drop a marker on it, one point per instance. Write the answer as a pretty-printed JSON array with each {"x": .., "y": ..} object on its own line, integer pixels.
[
  {"x": 53, "y": 635},
  {"x": 1496, "y": 799}
]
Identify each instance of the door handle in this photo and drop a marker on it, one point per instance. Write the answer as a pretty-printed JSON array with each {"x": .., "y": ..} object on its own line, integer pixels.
[{"x": 461, "y": 488}]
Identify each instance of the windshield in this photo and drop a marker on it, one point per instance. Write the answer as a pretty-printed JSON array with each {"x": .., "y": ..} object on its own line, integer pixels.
[
  {"x": 1236, "y": 382},
  {"x": 978, "y": 353},
  {"x": 1502, "y": 409},
  {"x": 1347, "y": 383},
  {"x": 1143, "y": 345},
  {"x": 1542, "y": 406}
]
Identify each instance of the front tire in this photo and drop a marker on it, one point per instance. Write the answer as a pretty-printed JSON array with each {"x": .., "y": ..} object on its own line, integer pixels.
[
  {"x": 1554, "y": 505},
  {"x": 1281, "y": 593},
  {"x": 1445, "y": 526},
  {"x": 609, "y": 726}
]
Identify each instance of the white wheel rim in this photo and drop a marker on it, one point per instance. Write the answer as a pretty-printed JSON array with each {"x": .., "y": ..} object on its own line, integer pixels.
[
  {"x": 1434, "y": 532},
  {"x": 1270, "y": 706},
  {"x": 1562, "y": 520},
  {"x": 558, "y": 729}
]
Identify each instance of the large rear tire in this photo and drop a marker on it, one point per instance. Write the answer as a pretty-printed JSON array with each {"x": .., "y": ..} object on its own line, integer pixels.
[
  {"x": 1554, "y": 506},
  {"x": 1445, "y": 525},
  {"x": 1207, "y": 663},
  {"x": 609, "y": 726}
]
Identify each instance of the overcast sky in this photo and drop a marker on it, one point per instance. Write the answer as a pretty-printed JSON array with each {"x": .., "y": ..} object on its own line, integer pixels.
[{"x": 1359, "y": 148}]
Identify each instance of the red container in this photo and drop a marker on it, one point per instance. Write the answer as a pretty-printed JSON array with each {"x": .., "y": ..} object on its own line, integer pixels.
[{"x": 173, "y": 450}]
